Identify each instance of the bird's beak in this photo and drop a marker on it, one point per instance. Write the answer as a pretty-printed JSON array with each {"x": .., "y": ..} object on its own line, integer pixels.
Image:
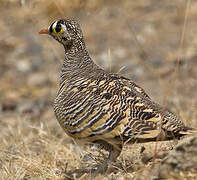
[{"x": 44, "y": 31}]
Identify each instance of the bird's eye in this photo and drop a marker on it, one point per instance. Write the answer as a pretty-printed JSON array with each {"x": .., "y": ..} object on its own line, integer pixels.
[{"x": 58, "y": 29}]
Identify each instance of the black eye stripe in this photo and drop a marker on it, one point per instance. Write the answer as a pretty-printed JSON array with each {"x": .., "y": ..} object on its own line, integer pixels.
[{"x": 51, "y": 28}]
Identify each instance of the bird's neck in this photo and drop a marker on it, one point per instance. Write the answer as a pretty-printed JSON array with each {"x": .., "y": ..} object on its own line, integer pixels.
[{"x": 77, "y": 61}]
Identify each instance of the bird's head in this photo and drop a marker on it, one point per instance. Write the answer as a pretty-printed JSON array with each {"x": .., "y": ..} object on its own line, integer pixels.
[{"x": 65, "y": 31}]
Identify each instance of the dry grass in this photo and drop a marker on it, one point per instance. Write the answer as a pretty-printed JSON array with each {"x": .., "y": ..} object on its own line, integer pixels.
[{"x": 152, "y": 42}]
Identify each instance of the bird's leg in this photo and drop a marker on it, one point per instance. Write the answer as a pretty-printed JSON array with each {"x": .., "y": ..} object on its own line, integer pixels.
[
  {"x": 113, "y": 155},
  {"x": 106, "y": 166}
]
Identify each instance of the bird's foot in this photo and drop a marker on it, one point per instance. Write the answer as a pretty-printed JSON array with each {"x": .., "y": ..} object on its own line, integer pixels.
[
  {"x": 101, "y": 169},
  {"x": 105, "y": 168}
]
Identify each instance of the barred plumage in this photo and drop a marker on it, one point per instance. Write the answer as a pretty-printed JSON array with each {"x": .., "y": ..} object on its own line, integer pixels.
[{"x": 99, "y": 107}]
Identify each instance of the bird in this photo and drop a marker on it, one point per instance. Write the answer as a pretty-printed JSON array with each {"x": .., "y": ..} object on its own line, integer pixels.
[{"x": 104, "y": 108}]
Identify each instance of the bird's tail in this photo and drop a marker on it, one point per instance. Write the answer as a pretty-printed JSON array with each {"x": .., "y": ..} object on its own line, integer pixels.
[{"x": 188, "y": 131}]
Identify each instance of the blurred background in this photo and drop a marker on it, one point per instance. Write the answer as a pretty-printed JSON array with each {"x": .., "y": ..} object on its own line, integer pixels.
[{"x": 152, "y": 42}]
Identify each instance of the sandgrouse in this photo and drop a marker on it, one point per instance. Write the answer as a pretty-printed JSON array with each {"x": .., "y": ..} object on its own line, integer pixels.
[{"x": 103, "y": 108}]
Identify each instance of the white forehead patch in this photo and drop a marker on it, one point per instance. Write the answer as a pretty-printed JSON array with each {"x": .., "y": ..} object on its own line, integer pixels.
[{"x": 54, "y": 24}]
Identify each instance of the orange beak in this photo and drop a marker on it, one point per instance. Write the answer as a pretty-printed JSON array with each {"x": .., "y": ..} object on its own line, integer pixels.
[{"x": 44, "y": 31}]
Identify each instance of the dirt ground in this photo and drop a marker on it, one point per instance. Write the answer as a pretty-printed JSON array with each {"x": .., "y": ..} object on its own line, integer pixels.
[{"x": 152, "y": 42}]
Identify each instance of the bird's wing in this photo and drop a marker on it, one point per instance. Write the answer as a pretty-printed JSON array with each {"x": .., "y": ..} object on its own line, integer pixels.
[{"x": 151, "y": 120}]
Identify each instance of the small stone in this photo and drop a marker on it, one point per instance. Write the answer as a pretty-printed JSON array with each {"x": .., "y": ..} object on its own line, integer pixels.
[
  {"x": 23, "y": 66},
  {"x": 8, "y": 105}
]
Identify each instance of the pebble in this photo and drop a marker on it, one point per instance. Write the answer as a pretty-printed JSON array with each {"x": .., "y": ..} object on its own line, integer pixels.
[
  {"x": 23, "y": 65},
  {"x": 8, "y": 105}
]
